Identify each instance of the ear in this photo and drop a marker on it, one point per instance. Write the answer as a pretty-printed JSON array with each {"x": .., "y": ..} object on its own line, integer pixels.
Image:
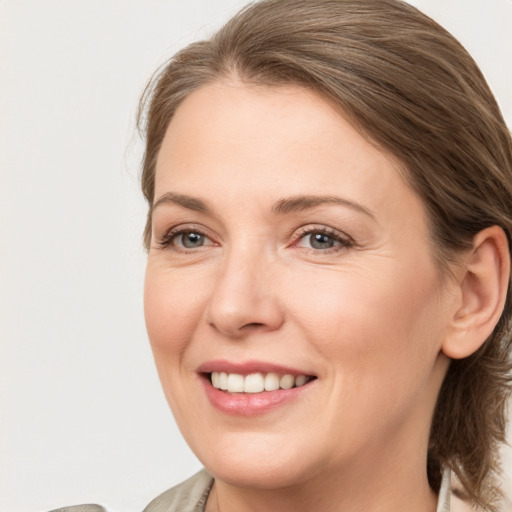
[{"x": 483, "y": 291}]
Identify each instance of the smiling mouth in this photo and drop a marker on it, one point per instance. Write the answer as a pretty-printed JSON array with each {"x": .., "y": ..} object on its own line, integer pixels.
[{"x": 256, "y": 382}]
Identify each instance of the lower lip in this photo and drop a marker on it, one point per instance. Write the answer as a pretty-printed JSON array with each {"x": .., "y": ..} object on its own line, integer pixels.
[{"x": 251, "y": 404}]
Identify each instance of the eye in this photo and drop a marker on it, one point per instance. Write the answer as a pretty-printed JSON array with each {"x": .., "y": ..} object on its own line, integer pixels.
[
  {"x": 189, "y": 240},
  {"x": 319, "y": 241},
  {"x": 323, "y": 240},
  {"x": 184, "y": 239}
]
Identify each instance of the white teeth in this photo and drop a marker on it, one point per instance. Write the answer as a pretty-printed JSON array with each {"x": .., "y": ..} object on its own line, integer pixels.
[
  {"x": 255, "y": 382},
  {"x": 235, "y": 383},
  {"x": 287, "y": 382},
  {"x": 300, "y": 380},
  {"x": 271, "y": 382},
  {"x": 223, "y": 381}
]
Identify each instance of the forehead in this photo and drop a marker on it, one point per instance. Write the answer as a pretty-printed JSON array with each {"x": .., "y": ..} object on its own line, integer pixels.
[{"x": 259, "y": 142}]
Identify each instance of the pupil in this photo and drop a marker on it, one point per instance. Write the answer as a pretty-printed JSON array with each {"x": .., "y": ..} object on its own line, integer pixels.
[
  {"x": 321, "y": 241},
  {"x": 191, "y": 240}
]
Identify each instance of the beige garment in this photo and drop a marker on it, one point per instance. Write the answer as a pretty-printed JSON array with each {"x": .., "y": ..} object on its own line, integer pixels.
[
  {"x": 81, "y": 508},
  {"x": 191, "y": 495}
]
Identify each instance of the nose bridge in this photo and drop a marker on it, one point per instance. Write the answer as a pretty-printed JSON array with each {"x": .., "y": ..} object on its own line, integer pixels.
[{"x": 244, "y": 297}]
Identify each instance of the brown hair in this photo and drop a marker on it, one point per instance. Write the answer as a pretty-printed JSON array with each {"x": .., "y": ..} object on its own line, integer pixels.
[{"x": 409, "y": 87}]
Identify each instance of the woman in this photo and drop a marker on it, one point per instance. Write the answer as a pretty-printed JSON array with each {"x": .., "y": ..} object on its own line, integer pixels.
[{"x": 328, "y": 281}]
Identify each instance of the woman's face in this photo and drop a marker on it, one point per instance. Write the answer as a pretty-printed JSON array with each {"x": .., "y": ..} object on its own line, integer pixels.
[{"x": 287, "y": 247}]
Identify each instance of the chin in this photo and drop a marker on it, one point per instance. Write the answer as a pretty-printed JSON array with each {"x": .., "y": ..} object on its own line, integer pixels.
[
  {"x": 254, "y": 475},
  {"x": 256, "y": 461}
]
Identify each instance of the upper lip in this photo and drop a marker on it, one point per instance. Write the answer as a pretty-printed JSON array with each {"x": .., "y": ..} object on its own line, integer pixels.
[{"x": 248, "y": 367}]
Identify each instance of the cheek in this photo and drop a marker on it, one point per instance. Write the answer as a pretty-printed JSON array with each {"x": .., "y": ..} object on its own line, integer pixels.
[
  {"x": 380, "y": 337},
  {"x": 173, "y": 306},
  {"x": 370, "y": 321}
]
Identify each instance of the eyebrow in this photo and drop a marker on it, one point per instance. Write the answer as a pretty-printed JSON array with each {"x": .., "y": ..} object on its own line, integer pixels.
[
  {"x": 300, "y": 203},
  {"x": 188, "y": 202},
  {"x": 281, "y": 207}
]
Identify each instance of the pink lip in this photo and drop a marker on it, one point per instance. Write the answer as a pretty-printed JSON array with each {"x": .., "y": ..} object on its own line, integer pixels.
[
  {"x": 248, "y": 367},
  {"x": 249, "y": 404}
]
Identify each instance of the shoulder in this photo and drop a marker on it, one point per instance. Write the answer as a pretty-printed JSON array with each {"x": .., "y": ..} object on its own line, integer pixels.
[{"x": 189, "y": 496}]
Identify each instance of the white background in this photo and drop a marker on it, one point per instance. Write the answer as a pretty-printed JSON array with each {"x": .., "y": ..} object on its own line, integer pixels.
[{"x": 82, "y": 415}]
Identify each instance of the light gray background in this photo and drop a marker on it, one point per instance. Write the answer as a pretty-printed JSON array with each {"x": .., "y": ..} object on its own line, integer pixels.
[{"x": 82, "y": 414}]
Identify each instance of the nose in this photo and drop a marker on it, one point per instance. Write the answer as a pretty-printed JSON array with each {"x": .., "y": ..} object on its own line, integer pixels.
[{"x": 246, "y": 297}]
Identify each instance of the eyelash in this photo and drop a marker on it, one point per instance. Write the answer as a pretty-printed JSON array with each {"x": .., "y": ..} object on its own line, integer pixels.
[{"x": 344, "y": 241}]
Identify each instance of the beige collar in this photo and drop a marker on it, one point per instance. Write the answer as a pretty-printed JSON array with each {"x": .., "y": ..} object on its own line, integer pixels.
[{"x": 443, "y": 503}]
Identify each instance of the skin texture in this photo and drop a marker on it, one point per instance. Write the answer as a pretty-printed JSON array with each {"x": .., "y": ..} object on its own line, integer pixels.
[{"x": 368, "y": 317}]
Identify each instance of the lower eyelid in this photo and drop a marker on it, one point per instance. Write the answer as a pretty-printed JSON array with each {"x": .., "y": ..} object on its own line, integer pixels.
[{"x": 338, "y": 245}]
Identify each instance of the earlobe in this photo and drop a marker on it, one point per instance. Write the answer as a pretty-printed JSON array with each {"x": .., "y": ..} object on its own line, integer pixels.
[{"x": 483, "y": 291}]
